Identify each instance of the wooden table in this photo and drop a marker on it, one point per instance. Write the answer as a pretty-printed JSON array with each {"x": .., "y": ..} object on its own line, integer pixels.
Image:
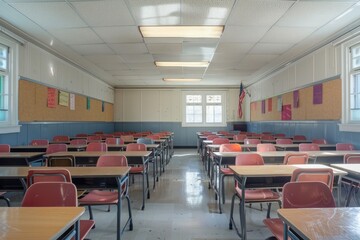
[
  {"x": 295, "y": 147},
  {"x": 133, "y": 157},
  {"x": 82, "y": 177},
  {"x": 321, "y": 223},
  {"x": 39, "y": 222},
  {"x": 266, "y": 176},
  {"x": 37, "y": 148},
  {"x": 20, "y": 159}
]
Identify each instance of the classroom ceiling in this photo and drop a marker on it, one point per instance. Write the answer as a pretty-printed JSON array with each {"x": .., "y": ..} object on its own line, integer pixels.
[{"x": 260, "y": 36}]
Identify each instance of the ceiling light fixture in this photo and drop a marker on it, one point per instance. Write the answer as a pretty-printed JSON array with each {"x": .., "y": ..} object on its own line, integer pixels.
[
  {"x": 182, "y": 31},
  {"x": 182, "y": 79},
  {"x": 182, "y": 64}
]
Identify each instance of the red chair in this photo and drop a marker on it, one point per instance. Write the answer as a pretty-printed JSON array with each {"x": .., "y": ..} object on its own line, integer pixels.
[
  {"x": 4, "y": 148},
  {"x": 251, "y": 195},
  {"x": 58, "y": 147},
  {"x": 265, "y": 147},
  {"x": 84, "y": 135},
  {"x": 98, "y": 133},
  {"x": 39, "y": 142},
  {"x": 114, "y": 141},
  {"x": 299, "y": 137},
  {"x": 220, "y": 140},
  {"x": 78, "y": 142},
  {"x": 96, "y": 147},
  {"x": 324, "y": 175},
  {"x": 96, "y": 197},
  {"x": 211, "y": 137},
  {"x": 239, "y": 137},
  {"x": 55, "y": 194},
  {"x": 308, "y": 147},
  {"x": 296, "y": 158},
  {"x": 127, "y": 138},
  {"x": 279, "y": 135},
  {"x": 248, "y": 141},
  {"x": 344, "y": 147},
  {"x": 94, "y": 138},
  {"x": 153, "y": 137},
  {"x": 319, "y": 141},
  {"x": 267, "y": 137},
  {"x": 352, "y": 158},
  {"x": 284, "y": 141},
  {"x": 296, "y": 195},
  {"x": 349, "y": 185},
  {"x": 61, "y": 138}
]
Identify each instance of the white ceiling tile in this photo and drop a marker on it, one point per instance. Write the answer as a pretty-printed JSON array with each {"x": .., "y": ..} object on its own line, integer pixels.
[
  {"x": 270, "y": 48},
  {"x": 76, "y": 36},
  {"x": 198, "y": 48},
  {"x": 258, "y": 12},
  {"x": 286, "y": 34},
  {"x": 129, "y": 48},
  {"x": 50, "y": 14},
  {"x": 164, "y": 48},
  {"x": 243, "y": 34},
  {"x": 132, "y": 72},
  {"x": 238, "y": 48},
  {"x": 108, "y": 13},
  {"x": 147, "y": 65},
  {"x": 254, "y": 62},
  {"x": 137, "y": 58},
  {"x": 105, "y": 58},
  {"x": 91, "y": 49},
  {"x": 317, "y": 13},
  {"x": 183, "y": 57},
  {"x": 228, "y": 57},
  {"x": 124, "y": 34}
]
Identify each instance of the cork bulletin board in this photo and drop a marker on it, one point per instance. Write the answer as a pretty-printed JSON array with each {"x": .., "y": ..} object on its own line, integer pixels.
[
  {"x": 33, "y": 106},
  {"x": 306, "y": 109}
]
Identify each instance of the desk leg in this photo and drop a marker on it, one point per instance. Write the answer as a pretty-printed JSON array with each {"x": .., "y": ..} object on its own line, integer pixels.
[
  {"x": 242, "y": 209},
  {"x": 77, "y": 230},
  {"x": 285, "y": 231}
]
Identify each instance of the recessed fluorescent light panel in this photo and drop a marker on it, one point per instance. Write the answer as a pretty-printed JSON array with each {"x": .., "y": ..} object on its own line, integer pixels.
[
  {"x": 182, "y": 79},
  {"x": 182, "y": 31},
  {"x": 182, "y": 64}
]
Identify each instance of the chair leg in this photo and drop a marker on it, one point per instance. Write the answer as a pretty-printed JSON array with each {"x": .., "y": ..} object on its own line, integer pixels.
[
  {"x": 268, "y": 211},
  {"x": 108, "y": 210},
  {"x": 90, "y": 213},
  {"x": 6, "y": 200},
  {"x": 130, "y": 213},
  {"x": 232, "y": 212}
]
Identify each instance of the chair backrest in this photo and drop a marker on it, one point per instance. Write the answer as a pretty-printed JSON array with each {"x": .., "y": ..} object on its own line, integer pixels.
[
  {"x": 267, "y": 137},
  {"x": 127, "y": 138},
  {"x": 307, "y": 195},
  {"x": 239, "y": 137},
  {"x": 39, "y": 142},
  {"x": 114, "y": 140},
  {"x": 61, "y": 161},
  {"x": 249, "y": 159},
  {"x": 211, "y": 137},
  {"x": 230, "y": 147},
  {"x": 251, "y": 141},
  {"x": 145, "y": 140},
  {"x": 81, "y": 135},
  {"x": 265, "y": 147},
  {"x": 136, "y": 147},
  {"x": 96, "y": 147},
  {"x": 4, "y": 148},
  {"x": 48, "y": 175},
  {"x": 94, "y": 137},
  {"x": 109, "y": 160},
  {"x": 61, "y": 138},
  {"x": 78, "y": 142},
  {"x": 220, "y": 140},
  {"x": 296, "y": 158},
  {"x": 319, "y": 141},
  {"x": 344, "y": 147},
  {"x": 50, "y": 194},
  {"x": 352, "y": 158},
  {"x": 309, "y": 147},
  {"x": 57, "y": 147},
  {"x": 284, "y": 141},
  {"x": 324, "y": 175},
  {"x": 299, "y": 137},
  {"x": 279, "y": 135}
]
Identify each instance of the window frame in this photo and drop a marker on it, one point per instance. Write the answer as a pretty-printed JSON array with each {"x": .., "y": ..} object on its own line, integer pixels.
[
  {"x": 12, "y": 123},
  {"x": 203, "y": 104}
]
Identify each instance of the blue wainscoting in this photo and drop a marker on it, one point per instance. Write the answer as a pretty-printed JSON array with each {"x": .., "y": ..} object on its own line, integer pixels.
[
  {"x": 311, "y": 129},
  {"x": 47, "y": 130}
]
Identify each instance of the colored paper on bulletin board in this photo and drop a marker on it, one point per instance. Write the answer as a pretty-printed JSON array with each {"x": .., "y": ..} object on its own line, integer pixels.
[
  {"x": 296, "y": 99},
  {"x": 102, "y": 106},
  {"x": 317, "y": 94},
  {"x": 51, "y": 98},
  {"x": 279, "y": 103},
  {"x": 263, "y": 106},
  {"x": 72, "y": 101},
  {"x": 286, "y": 112},
  {"x": 63, "y": 98},
  {"x": 269, "y": 104},
  {"x": 253, "y": 106},
  {"x": 87, "y": 103}
]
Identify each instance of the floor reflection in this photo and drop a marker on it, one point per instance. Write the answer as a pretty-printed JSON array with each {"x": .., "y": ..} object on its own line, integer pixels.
[{"x": 193, "y": 188}]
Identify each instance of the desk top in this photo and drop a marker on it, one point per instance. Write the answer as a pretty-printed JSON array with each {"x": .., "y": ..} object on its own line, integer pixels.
[
  {"x": 78, "y": 172},
  {"x": 98, "y": 154},
  {"x": 45, "y": 146},
  {"x": 37, "y": 222},
  {"x": 350, "y": 168},
  {"x": 20, "y": 154},
  {"x": 276, "y": 170},
  {"x": 283, "y": 153},
  {"x": 323, "y": 223}
]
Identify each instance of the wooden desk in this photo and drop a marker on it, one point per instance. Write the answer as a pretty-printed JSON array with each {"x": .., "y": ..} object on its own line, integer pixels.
[
  {"x": 322, "y": 223},
  {"x": 39, "y": 222},
  {"x": 19, "y": 159},
  {"x": 133, "y": 157},
  {"x": 82, "y": 177},
  {"x": 295, "y": 147},
  {"x": 37, "y": 148},
  {"x": 266, "y": 176}
]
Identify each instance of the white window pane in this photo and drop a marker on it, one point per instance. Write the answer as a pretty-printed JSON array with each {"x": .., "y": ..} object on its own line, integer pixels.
[
  {"x": 193, "y": 98},
  {"x": 3, "y": 65},
  {"x": 3, "y": 51},
  {"x": 198, "y": 118},
  {"x": 213, "y": 98},
  {"x": 356, "y": 62}
]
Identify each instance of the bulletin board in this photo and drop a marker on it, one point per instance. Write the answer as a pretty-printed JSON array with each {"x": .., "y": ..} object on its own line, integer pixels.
[
  {"x": 328, "y": 109},
  {"x": 33, "y": 106}
]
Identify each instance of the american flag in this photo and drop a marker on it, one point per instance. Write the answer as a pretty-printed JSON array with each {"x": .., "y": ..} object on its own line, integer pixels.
[{"x": 241, "y": 99}]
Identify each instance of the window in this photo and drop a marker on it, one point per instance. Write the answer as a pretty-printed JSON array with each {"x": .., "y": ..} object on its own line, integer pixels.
[
  {"x": 204, "y": 108},
  {"x": 8, "y": 86},
  {"x": 354, "y": 75}
]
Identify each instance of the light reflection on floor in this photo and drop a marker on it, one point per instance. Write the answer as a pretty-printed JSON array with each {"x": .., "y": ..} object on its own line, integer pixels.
[{"x": 194, "y": 188}]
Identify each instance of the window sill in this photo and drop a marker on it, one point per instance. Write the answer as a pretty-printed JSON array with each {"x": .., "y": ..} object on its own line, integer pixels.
[
  {"x": 346, "y": 127},
  {"x": 203, "y": 125},
  {"x": 9, "y": 129}
]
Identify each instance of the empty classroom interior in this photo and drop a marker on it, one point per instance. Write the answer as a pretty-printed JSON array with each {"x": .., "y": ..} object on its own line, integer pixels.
[{"x": 286, "y": 68}]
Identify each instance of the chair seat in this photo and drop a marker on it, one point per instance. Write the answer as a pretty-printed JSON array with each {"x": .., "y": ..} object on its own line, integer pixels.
[
  {"x": 260, "y": 195},
  {"x": 139, "y": 169},
  {"x": 276, "y": 226},
  {"x": 226, "y": 171},
  {"x": 85, "y": 227},
  {"x": 99, "y": 197}
]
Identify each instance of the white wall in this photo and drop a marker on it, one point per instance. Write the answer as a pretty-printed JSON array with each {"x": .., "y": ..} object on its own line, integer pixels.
[
  {"x": 41, "y": 66},
  {"x": 160, "y": 105}
]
